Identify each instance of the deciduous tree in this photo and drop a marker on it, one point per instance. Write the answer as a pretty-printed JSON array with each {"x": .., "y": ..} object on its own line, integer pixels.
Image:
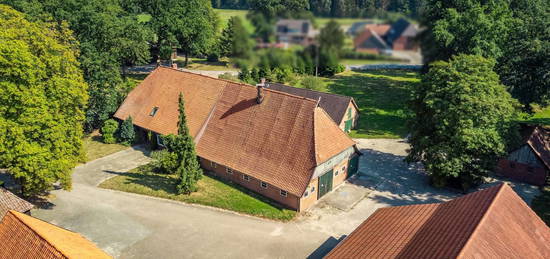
[
  {"x": 42, "y": 98},
  {"x": 463, "y": 120}
]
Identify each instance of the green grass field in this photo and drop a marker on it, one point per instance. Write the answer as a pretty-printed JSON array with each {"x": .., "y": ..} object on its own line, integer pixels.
[
  {"x": 225, "y": 14},
  {"x": 541, "y": 117},
  {"x": 95, "y": 148},
  {"x": 212, "y": 192},
  {"x": 351, "y": 62},
  {"x": 381, "y": 96}
]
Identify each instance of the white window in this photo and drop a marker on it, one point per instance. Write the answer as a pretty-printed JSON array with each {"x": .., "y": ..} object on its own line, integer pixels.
[
  {"x": 213, "y": 164},
  {"x": 246, "y": 177},
  {"x": 229, "y": 170},
  {"x": 283, "y": 193},
  {"x": 159, "y": 140},
  {"x": 263, "y": 185}
]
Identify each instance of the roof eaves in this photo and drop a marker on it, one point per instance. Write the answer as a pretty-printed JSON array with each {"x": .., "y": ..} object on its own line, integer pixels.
[{"x": 12, "y": 212}]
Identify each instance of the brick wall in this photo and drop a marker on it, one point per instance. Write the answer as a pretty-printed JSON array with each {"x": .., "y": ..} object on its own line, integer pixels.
[
  {"x": 252, "y": 184},
  {"x": 522, "y": 172},
  {"x": 311, "y": 198}
]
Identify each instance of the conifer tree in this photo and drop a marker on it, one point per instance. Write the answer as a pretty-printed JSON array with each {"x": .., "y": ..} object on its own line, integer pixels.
[{"x": 189, "y": 171}]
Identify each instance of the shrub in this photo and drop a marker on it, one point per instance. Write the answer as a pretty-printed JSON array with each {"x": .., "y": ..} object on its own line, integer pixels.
[
  {"x": 165, "y": 162},
  {"x": 313, "y": 83},
  {"x": 127, "y": 134},
  {"x": 108, "y": 131}
]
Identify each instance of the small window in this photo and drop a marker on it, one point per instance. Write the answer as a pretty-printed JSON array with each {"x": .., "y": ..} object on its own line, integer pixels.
[
  {"x": 213, "y": 164},
  {"x": 336, "y": 173},
  {"x": 306, "y": 194},
  {"x": 229, "y": 170},
  {"x": 283, "y": 193},
  {"x": 344, "y": 169},
  {"x": 263, "y": 185},
  {"x": 512, "y": 165},
  {"x": 159, "y": 141},
  {"x": 312, "y": 189},
  {"x": 246, "y": 177},
  {"x": 154, "y": 111}
]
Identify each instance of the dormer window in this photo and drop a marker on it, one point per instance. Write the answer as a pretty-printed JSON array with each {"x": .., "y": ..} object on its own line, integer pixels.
[{"x": 154, "y": 111}]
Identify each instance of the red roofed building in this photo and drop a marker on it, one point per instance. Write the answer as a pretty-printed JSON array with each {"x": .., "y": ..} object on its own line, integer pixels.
[
  {"x": 492, "y": 223},
  {"x": 22, "y": 236},
  {"x": 285, "y": 147},
  {"x": 10, "y": 201},
  {"x": 530, "y": 162}
]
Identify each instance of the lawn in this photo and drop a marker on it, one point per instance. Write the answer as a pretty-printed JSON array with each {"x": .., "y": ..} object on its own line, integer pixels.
[
  {"x": 351, "y": 62},
  {"x": 212, "y": 192},
  {"x": 95, "y": 148},
  {"x": 541, "y": 117},
  {"x": 382, "y": 97},
  {"x": 225, "y": 14},
  {"x": 203, "y": 64}
]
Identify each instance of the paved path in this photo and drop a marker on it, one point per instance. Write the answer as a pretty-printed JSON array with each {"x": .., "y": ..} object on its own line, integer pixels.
[{"x": 134, "y": 226}]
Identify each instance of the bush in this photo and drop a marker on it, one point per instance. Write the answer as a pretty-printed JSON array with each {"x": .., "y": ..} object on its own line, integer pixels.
[
  {"x": 108, "y": 131},
  {"x": 313, "y": 83},
  {"x": 164, "y": 162},
  {"x": 127, "y": 134}
]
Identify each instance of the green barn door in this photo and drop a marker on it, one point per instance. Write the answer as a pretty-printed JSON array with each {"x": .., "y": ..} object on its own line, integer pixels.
[
  {"x": 353, "y": 165},
  {"x": 325, "y": 183}
]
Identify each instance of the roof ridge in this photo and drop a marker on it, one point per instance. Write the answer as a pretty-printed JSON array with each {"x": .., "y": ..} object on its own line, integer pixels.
[
  {"x": 482, "y": 219},
  {"x": 15, "y": 214},
  {"x": 233, "y": 82}
]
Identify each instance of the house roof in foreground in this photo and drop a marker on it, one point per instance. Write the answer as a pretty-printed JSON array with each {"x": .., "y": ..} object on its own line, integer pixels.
[
  {"x": 335, "y": 105},
  {"x": 275, "y": 141},
  {"x": 22, "y": 236},
  {"x": 492, "y": 223},
  {"x": 10, "y": 201}
]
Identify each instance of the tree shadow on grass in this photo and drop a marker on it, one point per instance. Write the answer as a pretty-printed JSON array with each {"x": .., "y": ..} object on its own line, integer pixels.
[{"x": 381, "y": 96}]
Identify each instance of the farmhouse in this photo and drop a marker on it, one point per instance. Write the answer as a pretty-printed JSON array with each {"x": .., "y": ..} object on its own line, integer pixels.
[
  {"x": 370, "y": 39},
  {"x": 22, "y": 236},
  {"x": 384, "y": 38},
  {"x": 299, "y": 32},
  {"x": 279, "y": 145},
  {"x": 492, "y": 223},
  {"x": 342, "y": 109},
  {"x": 10, "y": 201},
  {"x": 530, "y": 162}
]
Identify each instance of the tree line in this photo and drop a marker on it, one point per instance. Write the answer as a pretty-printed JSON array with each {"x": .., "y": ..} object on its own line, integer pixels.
[{"x": 337, "y": 8}]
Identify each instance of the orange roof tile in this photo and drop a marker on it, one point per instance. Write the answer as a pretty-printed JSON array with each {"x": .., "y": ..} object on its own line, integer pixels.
[
  {"x": 161, "y": 89},
  {"x": 10, "y": 201},
  {"x": 492, "y": 223},
  {"x": 22, "y": 236},
  {"x": 274, "y": 141}
]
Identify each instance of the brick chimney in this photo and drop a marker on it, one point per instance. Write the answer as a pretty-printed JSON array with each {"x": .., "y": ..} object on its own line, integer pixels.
[{"x": 260, "y": 88}]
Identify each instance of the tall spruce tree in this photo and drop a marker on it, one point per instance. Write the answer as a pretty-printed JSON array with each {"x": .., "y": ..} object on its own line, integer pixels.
[{"x": 189, "y": 171}]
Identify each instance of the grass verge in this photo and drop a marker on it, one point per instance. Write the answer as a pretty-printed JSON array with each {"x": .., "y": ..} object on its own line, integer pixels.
[
  {"x": 211, "y": 192},
  {"x": 381, "y": 96},
  {"x": 95, "y": 148},
  {"x": 541, "y": 117}
]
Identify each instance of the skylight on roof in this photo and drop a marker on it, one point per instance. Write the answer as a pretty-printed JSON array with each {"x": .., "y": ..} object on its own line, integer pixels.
[{"x": 154, "y": 111}]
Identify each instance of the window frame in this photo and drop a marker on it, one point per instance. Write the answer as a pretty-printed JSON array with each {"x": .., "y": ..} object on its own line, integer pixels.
[
  {"x": 159, "y": 140},
  {"x": 154, "y": 111},
  {"x": 228, "y": 170},
  {"x": 246, "y": 177},
  {"x": 285, "y": 193},
  {"x": 262, "y": 185},
  {"x": 213, "y": 164}
]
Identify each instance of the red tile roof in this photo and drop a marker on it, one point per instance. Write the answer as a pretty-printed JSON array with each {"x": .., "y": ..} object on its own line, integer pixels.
[
  {"x": 275, "y": 141},
  {"x": 492, "y": 223},
  {"x": 10, "y": 201},
  {"x": 22, "y": 236}
]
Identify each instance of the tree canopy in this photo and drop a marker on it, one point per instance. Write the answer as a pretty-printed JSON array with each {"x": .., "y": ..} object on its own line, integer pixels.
[
  {"x": 463, "y": 120},
  {"x": 42, "y": 100},
  {"x": 235, "y": 41}
]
